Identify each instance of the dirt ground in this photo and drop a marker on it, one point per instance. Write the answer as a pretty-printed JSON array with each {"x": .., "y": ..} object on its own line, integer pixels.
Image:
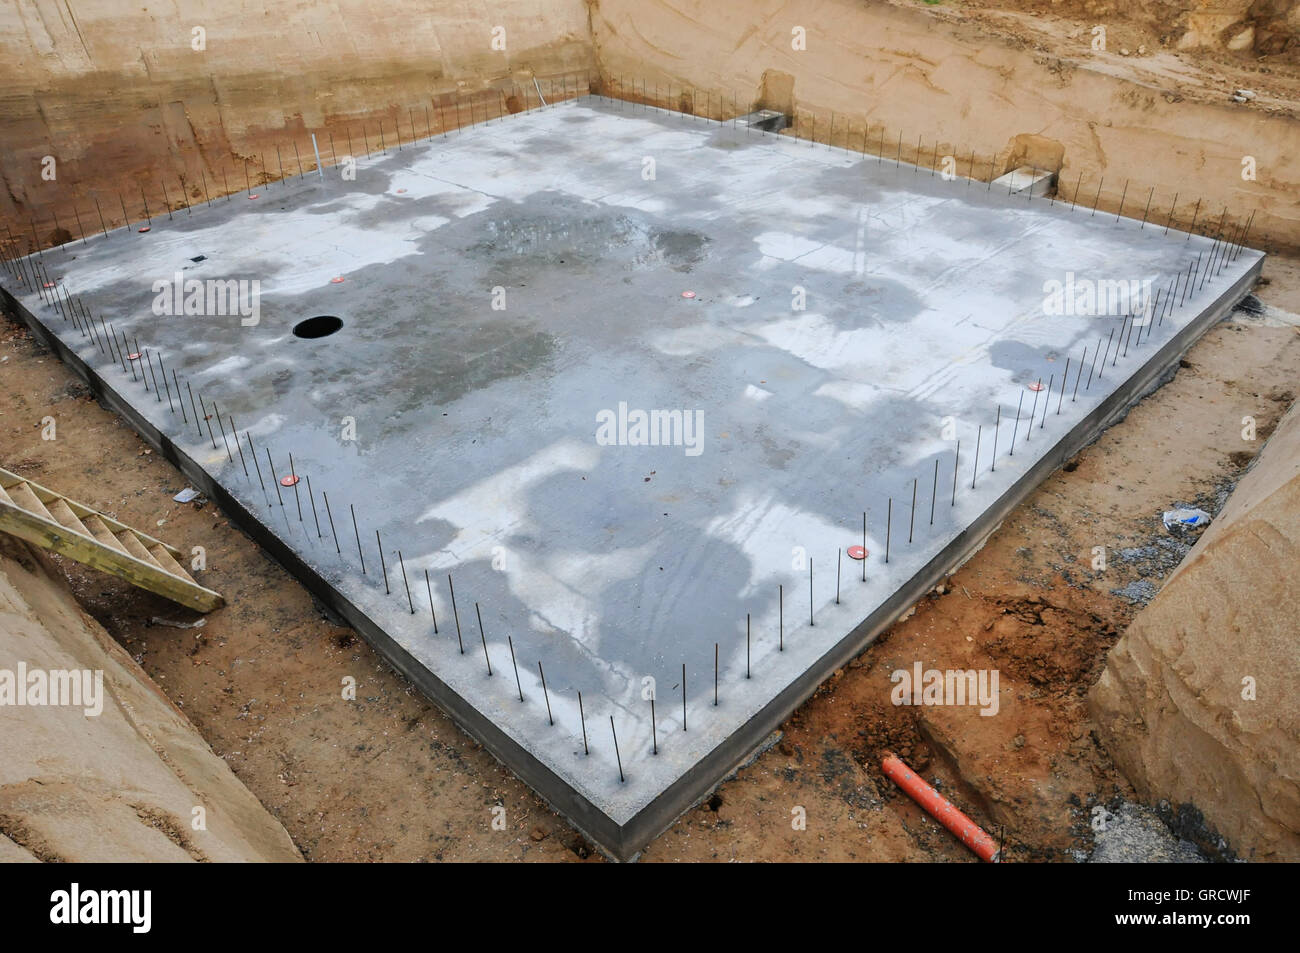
[{"x": 388, "y": 777}]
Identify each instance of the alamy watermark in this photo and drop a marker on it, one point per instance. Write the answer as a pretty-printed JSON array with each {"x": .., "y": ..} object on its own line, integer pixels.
[
  {"x": 1096, "y": 297},
  {"x": 933, "y": 686},
  {"x": 74, "y": 688},
  {"x": 133, "y": 908},
  {"x": 212, "y": 297},
  {"x": 651, "y": 428}
]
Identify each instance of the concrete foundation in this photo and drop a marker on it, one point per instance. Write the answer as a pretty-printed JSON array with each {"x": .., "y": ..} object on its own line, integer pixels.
[{"x": 810, "y": 333}]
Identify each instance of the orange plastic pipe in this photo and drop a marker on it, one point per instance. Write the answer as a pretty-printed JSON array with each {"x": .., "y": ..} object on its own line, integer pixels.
[{"x": 941, "y": 809}]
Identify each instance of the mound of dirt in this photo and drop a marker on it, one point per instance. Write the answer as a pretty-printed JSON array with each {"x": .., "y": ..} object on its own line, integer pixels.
[
  {"x": 1197, "y": 703},
  {"x": 121, "y": 775}
]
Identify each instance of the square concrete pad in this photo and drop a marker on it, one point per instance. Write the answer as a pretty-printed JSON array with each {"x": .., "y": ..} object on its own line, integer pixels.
[{"x": 834, "y": 323}]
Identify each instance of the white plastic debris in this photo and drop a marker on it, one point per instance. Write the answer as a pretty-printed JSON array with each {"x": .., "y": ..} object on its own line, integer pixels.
[
  {"x": 186, "y": 495},
  {"x": 1185, "y": 516},
  {"x": 198, "y": 624}
]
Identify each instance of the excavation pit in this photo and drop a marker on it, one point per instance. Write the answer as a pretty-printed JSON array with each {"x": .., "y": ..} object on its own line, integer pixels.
[{"x": 622, "y": 481}]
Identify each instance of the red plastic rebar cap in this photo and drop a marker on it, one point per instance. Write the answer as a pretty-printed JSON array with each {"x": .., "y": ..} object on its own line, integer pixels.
[
  {"x": 144, "y": 228},
  {"x": 1036, "y": 386},
  {"x": 288, "y": 481},
  {"x": 688, "y": 294},
  {"x": 336, "y": 281},
  {"x": 857, "y": 552}
]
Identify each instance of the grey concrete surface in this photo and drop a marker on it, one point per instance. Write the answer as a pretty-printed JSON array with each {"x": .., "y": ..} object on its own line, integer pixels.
[{"x": 836, "y": 322}]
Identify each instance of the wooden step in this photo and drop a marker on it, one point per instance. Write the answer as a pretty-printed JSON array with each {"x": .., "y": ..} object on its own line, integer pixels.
[
  {"x": 101, "y": 533},
  {"x": 63, "y": 513},
  {"x": 22, "y": 494},
  {"x": 136, "y": 548},
  {"x": 165, "y": 559}
]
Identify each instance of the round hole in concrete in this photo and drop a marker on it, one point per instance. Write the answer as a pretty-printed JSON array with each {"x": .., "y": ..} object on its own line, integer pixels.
[{"x": 322, "y": 325}]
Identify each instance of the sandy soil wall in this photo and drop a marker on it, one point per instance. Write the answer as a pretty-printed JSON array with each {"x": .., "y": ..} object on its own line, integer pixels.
[
  {"x": 1197, "y": 702},
  {"x": 1261, "y": 27},
  {"x": 123, "y": 101},
  {"x": 120, "y": 785},
  {"x": 901, "y": 70},
  {"x": 133, "y": 115}
]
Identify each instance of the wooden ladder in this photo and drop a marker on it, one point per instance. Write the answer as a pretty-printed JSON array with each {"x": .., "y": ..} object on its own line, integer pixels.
[{"x": 54, "y": 522}]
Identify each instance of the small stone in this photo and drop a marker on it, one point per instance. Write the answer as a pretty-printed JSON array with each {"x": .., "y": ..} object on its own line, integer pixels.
[
  {"x": 1243, "y": 40},
  {"x": 537, "y": 834},
  {"x": 1019, "y": 741}
]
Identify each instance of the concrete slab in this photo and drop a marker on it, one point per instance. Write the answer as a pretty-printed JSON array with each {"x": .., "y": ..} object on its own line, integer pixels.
[
  {"x": 828, "y": 334},
  {"x": 1026, "y": 179},
  {"x": 767, "y": 120}
]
